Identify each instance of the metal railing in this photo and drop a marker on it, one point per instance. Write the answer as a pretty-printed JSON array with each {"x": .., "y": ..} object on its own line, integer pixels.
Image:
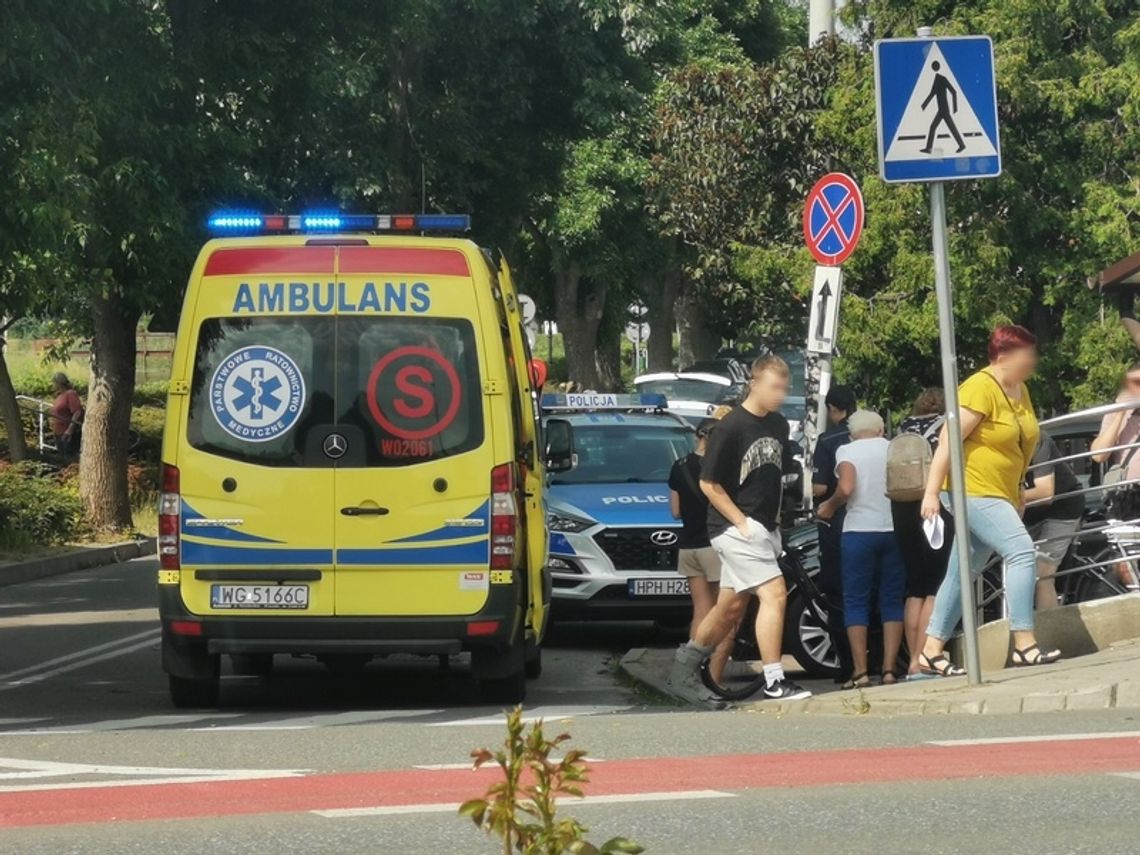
[
  {"x": 41, "y": 410},
  {"x": 1122, "y": 537}
]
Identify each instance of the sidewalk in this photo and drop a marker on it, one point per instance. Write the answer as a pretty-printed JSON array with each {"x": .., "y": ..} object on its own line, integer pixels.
[
  {"x": 73, "y": 559},
  {"x": 1108, "y": 679}
]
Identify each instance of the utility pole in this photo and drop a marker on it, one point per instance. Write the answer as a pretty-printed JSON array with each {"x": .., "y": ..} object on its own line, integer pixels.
[{"x": 821, "y": 20}]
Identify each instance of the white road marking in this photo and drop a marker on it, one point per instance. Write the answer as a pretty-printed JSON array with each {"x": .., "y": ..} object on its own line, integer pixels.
[
  {"x": 547, "y": 713},
  {"x": 79, "y": 654},
  {"x": 1134, "y": 775},
  {"x": 80, "y": 663},
  {"x": 321, "y": 720},
  {"x": 139, "y": 723},
  {"x": 123, "y": 776},
  {"x": 1052, "y": 737},
  {"x": 621, "y": 798}
]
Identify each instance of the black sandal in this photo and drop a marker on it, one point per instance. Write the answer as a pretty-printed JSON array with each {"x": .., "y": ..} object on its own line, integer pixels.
[
  {"x": 889, "y": 678},
  {"x": 939, "y": 666},
  {"x": 858, "y": 681},
  {"x": 1021, "y": 657}
]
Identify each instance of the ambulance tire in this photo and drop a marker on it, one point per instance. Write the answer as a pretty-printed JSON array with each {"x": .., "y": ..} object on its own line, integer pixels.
[
  {"x": 252, "y": 664},
  {"x": 504, "y": 690},
  {"x": 501, "y": 674},
  {"x": 193, "y": 693},
  {"x": 533, "y": 661}
]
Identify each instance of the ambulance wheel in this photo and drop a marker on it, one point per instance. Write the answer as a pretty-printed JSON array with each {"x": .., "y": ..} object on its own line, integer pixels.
[
  {"x": 187, "y": 693},
  {"x": 504, "y": 690},
  {"x": 252, "y": 664},
  {"x": 533, "y": 661}
]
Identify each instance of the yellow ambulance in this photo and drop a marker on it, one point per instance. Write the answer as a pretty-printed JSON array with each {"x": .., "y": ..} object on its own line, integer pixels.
[{"x": 351, "y": 465}]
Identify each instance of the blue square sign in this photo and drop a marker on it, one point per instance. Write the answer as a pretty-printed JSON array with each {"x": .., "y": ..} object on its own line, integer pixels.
[{"x": 937, "y": 109}]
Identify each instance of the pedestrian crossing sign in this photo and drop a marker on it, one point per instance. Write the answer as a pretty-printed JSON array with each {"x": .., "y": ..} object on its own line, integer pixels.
[{"x": 937, "y": 109}]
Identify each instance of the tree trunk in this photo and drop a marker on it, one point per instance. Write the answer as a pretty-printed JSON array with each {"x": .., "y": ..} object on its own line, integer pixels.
[
  {"x": 103, "y": 484},
  {"x": 609, "y": 363},
  {"x": 696, "y": 341},
  {"x": 10, "y": 412},
  {"x": 659, "y": 300},
  {"x": 579, "y": 316}
]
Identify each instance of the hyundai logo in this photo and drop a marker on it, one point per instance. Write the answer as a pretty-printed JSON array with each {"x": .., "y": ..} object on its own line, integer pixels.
[
  {"x": 335, "y": 446},
  {"x": 663, "y": 538}
]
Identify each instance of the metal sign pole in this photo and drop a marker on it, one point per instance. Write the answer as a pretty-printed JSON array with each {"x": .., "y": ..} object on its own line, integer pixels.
[{"x": 954, "y": 426}]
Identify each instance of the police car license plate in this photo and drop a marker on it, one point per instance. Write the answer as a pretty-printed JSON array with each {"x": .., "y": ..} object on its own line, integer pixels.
[
  {"x": 668, "y": 586},
  {"x": 259, "y": 596}
]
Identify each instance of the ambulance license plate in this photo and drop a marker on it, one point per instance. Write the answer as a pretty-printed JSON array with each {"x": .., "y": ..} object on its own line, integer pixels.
[
  {"x": 668, "y": 586},
  {"x": 259, "y": 596}
]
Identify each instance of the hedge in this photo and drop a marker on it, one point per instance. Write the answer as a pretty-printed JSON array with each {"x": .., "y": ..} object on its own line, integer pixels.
[{"x": 37, "y": 508}]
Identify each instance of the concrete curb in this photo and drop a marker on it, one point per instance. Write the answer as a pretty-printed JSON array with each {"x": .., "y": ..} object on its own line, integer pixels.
[
  {"x": 1101, "y": 670},
  {"x": 82, "y": 558}
]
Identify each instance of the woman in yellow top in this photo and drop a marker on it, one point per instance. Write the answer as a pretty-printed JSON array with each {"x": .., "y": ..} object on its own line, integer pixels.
[{"x": 999, "y": 437}]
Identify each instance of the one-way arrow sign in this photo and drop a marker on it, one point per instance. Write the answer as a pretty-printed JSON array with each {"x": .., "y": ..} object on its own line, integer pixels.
[{"x": 824, "y": 309}]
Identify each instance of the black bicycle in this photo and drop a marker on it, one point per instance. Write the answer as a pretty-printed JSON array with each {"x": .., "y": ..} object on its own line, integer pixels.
[{"x": 807, "y": 637}]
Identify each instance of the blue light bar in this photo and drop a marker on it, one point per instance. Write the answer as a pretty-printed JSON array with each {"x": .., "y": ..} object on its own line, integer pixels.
[
  {"x": 235, "y": 222},
  {"x": 602, "y": 401},
  {"x": 443, "y": 222},
  {"x": 251, "y": 222}
]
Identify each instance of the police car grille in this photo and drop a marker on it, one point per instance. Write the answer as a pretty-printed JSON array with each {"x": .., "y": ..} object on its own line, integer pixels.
[{"x": 632, "y": 549}]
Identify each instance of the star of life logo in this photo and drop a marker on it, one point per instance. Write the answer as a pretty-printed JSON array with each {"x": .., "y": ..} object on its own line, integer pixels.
[{"x": 257, "y": 393}]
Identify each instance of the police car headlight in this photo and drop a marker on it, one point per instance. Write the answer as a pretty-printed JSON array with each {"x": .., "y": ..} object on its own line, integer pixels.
[{"x": 563, "y": 522}]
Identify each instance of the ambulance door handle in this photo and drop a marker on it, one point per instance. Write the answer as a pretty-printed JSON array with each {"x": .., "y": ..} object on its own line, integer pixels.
[{"x": 364, "y": 511}]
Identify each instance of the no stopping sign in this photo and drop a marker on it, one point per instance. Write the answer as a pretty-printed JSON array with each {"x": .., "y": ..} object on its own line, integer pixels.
[{"x": 413, "y": 393}]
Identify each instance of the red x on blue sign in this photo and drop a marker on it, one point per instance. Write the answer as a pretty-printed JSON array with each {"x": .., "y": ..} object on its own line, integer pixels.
[{"x": 833, "y": 218}]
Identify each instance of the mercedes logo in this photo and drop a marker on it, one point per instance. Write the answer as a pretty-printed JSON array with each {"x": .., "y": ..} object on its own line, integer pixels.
[
  {"x": 335, "y": 446},
  {"x": 663, "y": 538}
]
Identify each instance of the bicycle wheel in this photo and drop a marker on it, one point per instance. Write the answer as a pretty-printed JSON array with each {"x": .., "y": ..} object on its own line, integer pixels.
[{"x": 740, "y": 692}]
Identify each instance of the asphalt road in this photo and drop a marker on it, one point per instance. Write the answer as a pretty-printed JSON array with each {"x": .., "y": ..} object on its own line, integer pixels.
[{"x": 94, "y": 760}]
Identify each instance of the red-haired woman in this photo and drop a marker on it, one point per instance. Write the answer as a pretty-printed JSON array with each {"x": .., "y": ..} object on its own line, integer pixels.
[{"x": 999, "y": 437}]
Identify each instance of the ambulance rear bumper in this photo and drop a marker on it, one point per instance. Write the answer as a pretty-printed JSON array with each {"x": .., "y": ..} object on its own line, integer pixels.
[{"x": 495, "y": 626}]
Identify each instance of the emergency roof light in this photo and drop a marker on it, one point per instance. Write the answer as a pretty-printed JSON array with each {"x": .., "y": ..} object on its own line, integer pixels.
[
  {"x": 253, "y": 223},
  {"x": 594, "y": 401}
]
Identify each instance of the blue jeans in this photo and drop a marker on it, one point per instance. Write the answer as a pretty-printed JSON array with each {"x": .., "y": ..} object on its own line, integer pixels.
[
  {"x": 994, "y": 527},
  {"x": 870, "y": 558}
]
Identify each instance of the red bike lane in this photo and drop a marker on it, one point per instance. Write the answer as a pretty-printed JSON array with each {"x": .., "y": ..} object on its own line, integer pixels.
[{"x": 435, "y": 789}]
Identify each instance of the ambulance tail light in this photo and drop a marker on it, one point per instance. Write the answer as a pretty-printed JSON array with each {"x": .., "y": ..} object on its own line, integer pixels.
[
  {"x": 169, "y": 519},
  {"x": 504, "y": 516}
]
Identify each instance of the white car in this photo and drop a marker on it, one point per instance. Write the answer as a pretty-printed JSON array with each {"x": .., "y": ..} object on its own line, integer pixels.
[{"x": 691, "y": 395}]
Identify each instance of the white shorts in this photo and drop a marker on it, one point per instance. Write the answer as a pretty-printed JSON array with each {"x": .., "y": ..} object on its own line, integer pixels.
[{"x": 748, "y": 563}]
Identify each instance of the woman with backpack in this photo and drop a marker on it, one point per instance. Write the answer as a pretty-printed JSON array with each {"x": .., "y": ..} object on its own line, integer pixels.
[
  {"x": 908, "y": 464},
  {"x": 999, "y": 438}
]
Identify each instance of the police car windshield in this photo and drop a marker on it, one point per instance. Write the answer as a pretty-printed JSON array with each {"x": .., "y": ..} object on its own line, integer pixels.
[
  {"x": 614, "y": 454},
  {"x": 687, "y": 389}
]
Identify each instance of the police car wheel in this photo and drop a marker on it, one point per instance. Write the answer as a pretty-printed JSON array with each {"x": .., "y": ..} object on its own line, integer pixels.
[{"x": 186, "y": 693}]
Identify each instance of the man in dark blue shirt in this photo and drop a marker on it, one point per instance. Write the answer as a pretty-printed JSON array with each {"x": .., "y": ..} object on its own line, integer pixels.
[{"x": 841, "y": 403}]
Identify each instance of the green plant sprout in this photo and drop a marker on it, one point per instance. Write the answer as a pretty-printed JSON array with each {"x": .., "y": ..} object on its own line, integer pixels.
[{"x": 521, "y": 808}]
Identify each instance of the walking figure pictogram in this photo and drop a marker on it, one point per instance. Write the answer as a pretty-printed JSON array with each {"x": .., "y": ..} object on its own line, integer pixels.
[{"x": 938, "y": 92}]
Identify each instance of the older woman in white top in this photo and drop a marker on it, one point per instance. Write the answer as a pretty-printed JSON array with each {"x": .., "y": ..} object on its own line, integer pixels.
[{"x": 871, "y": 556}]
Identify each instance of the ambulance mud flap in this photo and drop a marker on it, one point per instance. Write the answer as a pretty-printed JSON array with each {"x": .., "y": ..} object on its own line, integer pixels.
[{"x": 187, "y": 659}]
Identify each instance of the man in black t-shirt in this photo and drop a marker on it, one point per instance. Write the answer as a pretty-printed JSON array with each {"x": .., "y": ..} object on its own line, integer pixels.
[
  {"x": 743, "y": 477},
  {"x": 1054, "y": 523},
  {"x": 841, "y": 403}
]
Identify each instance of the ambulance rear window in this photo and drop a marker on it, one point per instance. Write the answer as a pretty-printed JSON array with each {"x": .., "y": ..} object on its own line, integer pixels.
[
  {"x": 260, "y": 385},
  {"x": 269, "y": 390}
]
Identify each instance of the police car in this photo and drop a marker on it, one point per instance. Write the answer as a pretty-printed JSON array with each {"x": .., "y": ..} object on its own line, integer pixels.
[{"x": 613, "y": 552}]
